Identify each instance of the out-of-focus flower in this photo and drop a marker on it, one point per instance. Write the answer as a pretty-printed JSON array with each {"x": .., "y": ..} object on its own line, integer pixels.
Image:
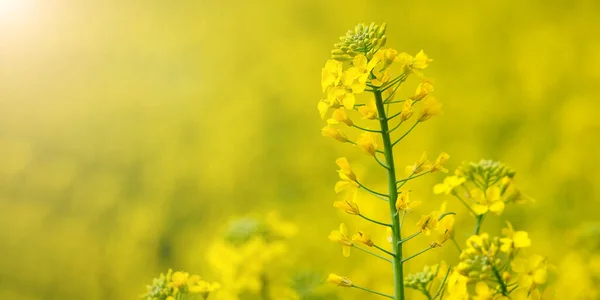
[
  {"x": 363, "y": 238},
  {"x": 490, "y": 201},
  {"x": 341, "y": 237},
  {"x": 448, "y": 185},
  {"x": 431, "y": 108},
  {"x": 427, "y": 223},
  {"x": 339, "y": 280},
  {"x": 334, "y": 133},
  {"x": 366, "y": 142}
]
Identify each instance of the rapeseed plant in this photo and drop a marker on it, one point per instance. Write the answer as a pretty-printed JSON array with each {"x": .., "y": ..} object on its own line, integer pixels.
[{"x": 358, "y": 82}]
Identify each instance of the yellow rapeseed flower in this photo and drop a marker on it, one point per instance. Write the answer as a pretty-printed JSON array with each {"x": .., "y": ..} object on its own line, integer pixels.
[
  {"x": 340, "y": 116},
  {"x": 403, "y": 201},
  {"x": 419, "y": 166},
  {"x": 331, "y": 74},
  {"x": 335, "y": 133},
  {"x": 407, "y": 110},
  {"x": 341, "y": 95},
  {"x": 421, "y": 61},
  {"x": 345, "y": 170},
  {"x": 363, "y": 238},
  {"x": 323, "y": 107},
  {"x": 341, "y": 237},
  {"x": 348, "y": 204},
  {"x": 423, "y": 89},
  {"x": 427, "y": 223},
  {"x": 369, "y": 110},
  {"x": 445, "y": 230},
  {"x": 438, "y": 164},
  {"x": 532, "y": 272},
  {"x": 518, "y": 240},
  {"x": 490, "y": 201},
  {"x": 339, "y": 280},
  {"x": 448, "y": 185},
  {"x": 366, "y": 142},
  {"x": 179, "y": 279},
  {"x": 431, "y": 108}
]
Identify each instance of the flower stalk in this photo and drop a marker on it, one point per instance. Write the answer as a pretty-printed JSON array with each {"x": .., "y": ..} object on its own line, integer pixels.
[{"x": 393, "y": 195}]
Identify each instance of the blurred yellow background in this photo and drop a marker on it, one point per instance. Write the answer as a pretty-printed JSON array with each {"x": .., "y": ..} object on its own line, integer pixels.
[{"x": 131, "y": 132}]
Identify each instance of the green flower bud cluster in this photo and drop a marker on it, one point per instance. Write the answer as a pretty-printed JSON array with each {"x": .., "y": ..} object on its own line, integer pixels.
[
  {"x": 420, "y": 280},
  {"x": 481, "y": 258},
  {"x": 364, "y": 39},
  {"x": 485, "y": 173},
  {"x": 160, "y": 289}
]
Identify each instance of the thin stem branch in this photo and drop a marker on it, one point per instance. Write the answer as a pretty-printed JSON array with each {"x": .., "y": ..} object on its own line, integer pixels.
[
  {"x": 374, "y": 221},
  {"x": 405, "y": 134},
  {"x": 396, "y": 127},
  {"x": 456, "y": 245},
  {"x": 374, "y": 254},
  {"x": 365, "y": 129},
  {"x": 372, "y": 291},
  {"x": 417, "y": 254},
  {"x": 478, "y": 224},
  {"x": 383, "y": 250},
  {"x": 503, "y": 287},
  {"x": 409, "y": 237},
  {"x": 465, "y": 204},
  {"x": 442, "y": 285},
  {"x": 412, "y": 177},
  {"x": 372, "y": 191},
  {"x": 381, "y": 163}
]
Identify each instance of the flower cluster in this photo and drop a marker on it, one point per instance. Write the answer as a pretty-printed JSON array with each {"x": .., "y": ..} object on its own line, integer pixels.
[
  {"x": 360, "y": 88},
  {"x": 179, "y": 285}
]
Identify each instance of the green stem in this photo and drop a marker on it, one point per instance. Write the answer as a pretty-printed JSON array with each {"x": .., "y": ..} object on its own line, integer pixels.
[
  {"x": 417, "y": 254},
  {"x": 374, "y": 221},
  {"x": 369, "y": 252},
  {"x": 456, "y": 245},
  {"x": 503, "y": 287},
  {"x": 380, "y": 162},
  {"x": 464, "y": 203},
  {"x": 372, "y": 291},
  {"x": 442, "y": 285},
  {"x": 478, "y": 224},
  {"x": 393, "y": 195}
]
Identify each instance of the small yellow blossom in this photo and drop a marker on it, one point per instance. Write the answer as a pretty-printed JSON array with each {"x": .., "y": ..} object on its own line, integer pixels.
[
  {"x": 404, "y": 203},
  {"x": 366, "y": 142},
  {"x": 427, "y": 223},
  {"x": 483, "y": 292},
  {"x": 390, "y": 55},
  {"x": 457, "y": 286},
  {"x": 369, "y": 110},
  {"x": 323, "y": 107},
  {"x": 341, "y": 95},
  {"x": 198, "y": 286},
  {"x": 421, "y": 61},
  {"x": 179, "y": 279},
  {"x": 518, "y": 240},
  {"x": 381, "y": 77},
  {"x": 363, "y": 238},
  {"x": 344, "y": 185},
  {"x": 331, "y": 74},
  {"x": 445, "y": 230},
  {"x": 340, "y": 116},
  {"x": 431, "y": 108},
  {"x": 424, "y": 89},
  {"x": 490, "y": 201},
  {"x": 335, "y": 133},
  {"x": 405, "y": 60},
  {"x": 439, "y": 162},
  {"x": 356, "y": 77},
  {"x": 339, "y": 280},
  {"x": 345, "y": 170},
  {"x": 448, "y": 185},
  {"x": 419, "y": 166},
  {"x": 532, "y": 272},
  {"x": 407, "y": 110},
  {"x": 341, "y": 237},
  {"x": 348, "y": 204}
]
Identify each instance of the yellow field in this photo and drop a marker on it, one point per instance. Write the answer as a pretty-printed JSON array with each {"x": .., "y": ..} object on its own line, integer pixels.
[{"x": 136, "y": 136}]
